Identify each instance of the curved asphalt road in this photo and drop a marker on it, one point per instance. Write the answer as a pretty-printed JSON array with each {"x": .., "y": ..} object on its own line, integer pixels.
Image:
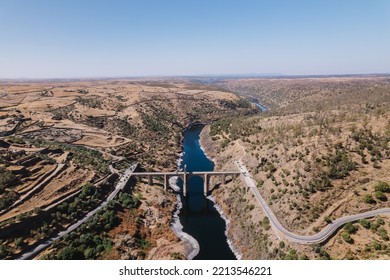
[{"x": 319, "y": 237}]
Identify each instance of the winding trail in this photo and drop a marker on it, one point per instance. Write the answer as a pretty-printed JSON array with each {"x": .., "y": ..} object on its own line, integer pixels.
[{"x": 319, "y": 237}]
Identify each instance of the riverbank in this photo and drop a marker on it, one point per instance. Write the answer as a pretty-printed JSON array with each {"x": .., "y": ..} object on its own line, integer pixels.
[
  {"x": 197, "y": 215},
  {"x": 191, "y": 246},
  {"x": 210, "y": 150},
  {"x": 246, "y": 233}
]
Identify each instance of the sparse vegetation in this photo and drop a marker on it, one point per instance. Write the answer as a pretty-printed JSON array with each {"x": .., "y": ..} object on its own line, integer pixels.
[{"x": 346, "y": 236}]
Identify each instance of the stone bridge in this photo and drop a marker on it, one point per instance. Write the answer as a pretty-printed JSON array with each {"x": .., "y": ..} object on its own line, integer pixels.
[{"x": 185, "y": 175}]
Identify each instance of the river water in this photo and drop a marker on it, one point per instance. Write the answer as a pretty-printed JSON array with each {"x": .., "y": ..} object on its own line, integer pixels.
[{"x": 198, "y": 215}]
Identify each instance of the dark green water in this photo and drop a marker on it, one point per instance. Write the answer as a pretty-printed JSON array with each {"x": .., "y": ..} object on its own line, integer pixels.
[{"x": 198, "y": 216}]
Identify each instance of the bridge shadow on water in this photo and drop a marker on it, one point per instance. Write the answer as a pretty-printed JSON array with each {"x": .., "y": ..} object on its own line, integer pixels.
[{"x": 198, "y": 216}]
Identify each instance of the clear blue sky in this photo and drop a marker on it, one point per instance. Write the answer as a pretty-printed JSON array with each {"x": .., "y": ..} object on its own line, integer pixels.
[{"x": 69, "y": 38}]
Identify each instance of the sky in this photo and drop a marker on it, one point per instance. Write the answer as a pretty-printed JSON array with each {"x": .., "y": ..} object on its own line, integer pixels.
[{"x": 118, "y": 38}]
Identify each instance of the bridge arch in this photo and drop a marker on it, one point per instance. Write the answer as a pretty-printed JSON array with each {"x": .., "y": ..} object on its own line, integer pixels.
[{"x": 185, "y": 176}]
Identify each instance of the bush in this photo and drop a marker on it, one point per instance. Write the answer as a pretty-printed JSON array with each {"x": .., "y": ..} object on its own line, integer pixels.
[
  {"x": 6, "y": 178},
  {"x": 292, "y": 255},
  {"x": 70, "y": 253},
  {"x": 380, "y": 195},
  {"x": 127, "y": 201},
  {"x": 350, "y": 228},
  {"x": 380, "y": 221},
  {"x": 347, "y": 238},
  {"x": 369, "y": 199},
  {"x": 383, "y": 234},
  {"x": 377, "y": 246},
  {"x": 265, "y": 223},
  {"x": 340, "y": 164},
  {"x": 89, "y": 253},
  {"x": 365, "y": 223},
  {"x": 320, "y": 184},
  {"x": 382, "y": 187}
]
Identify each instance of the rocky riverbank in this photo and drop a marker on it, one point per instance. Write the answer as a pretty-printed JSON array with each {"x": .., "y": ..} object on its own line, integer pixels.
[
  {"x": 145, "y": 233},
  {"x": 248, "y": 233}
]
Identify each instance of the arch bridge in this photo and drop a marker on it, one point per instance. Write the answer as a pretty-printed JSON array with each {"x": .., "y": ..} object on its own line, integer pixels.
[{"x": 186, "y": 175}]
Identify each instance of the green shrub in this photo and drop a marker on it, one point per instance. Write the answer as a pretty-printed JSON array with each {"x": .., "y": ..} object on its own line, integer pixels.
[
  {"x": 380, "y": 195},
  {"x": 347, "y": 238},
  {"x": 70, "y": 253},
  {"x": 383, "y": 234},
  {"x": 369, "y": 199},
  {"x": 365, "y": 223},
  {"x": 382, "y": 187},
  {"x": 350, "y": 228}
]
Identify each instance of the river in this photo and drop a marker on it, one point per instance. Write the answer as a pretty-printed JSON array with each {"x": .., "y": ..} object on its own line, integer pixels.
[
  {"x": 198, "y": 215},
  {"x": 261, "y": 107}
]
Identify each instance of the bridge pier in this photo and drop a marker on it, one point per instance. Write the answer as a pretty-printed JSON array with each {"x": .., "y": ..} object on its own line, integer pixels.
[
  {"x": 185, "y": 181},
  {"x": 185, "y": 187},
  {"x": 166, "y": 182},
  {"x": 185, "y": 175},
  {"x": 206, "y": 185}
]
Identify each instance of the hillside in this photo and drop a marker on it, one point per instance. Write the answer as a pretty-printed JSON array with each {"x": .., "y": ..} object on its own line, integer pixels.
[
  {"x": 320, "y": 153},
  {"x": 64, "y": 144}
]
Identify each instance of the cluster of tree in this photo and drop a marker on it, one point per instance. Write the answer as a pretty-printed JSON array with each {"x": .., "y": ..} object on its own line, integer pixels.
[
  {"x": 154, "y": 124},
  {"x": 374, "y": 143},
  {"x": 235, "y": 128},
  {"x": 381, "y": 188},
  {"x": 80, "y": 154},
  {"x": 91, "y": 240},
  {"x": 339, "y": 163},
  {"x": 125, "y": 127},
  {"x": 7, "y": 195},
  {"x": 376, "y": 227},
  {"x": 6, "y": 179},
  {"x": 94, "y": 101},
  {"x": 230, "y": 104}
]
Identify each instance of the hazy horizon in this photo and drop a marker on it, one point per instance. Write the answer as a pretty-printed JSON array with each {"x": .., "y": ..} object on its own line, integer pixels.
[
  {"x": 116, "y": 39},
  {"x": 254, "y": 75}
]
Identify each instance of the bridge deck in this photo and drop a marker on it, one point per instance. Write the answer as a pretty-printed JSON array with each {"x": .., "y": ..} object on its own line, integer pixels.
[{"x": 178, "y": 173}]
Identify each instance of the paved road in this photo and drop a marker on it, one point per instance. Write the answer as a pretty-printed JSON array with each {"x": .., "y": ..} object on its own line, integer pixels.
[
  {"x": 121, "y": 184},
  {"x": 319, "y": 237}
]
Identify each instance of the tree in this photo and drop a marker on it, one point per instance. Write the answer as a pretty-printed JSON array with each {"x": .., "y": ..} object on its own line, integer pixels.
[
  {"x": 365, "y": 223},
  {"x": 89, "y": 253},
  {"x": 382, "y": 186},
  {"x": 70, "y": 253},
  {"x": 369, "y": 199},
  {"x": 266, "y": 223},
  {"x": 347, "y": 238},
  {"x": 350, "y": 228},
  {"x": 380, "y": 195},
  {"x": 292, "y": 255},
  {"x": 383, "y": 234},
  {"x": 327, "y": 219}
]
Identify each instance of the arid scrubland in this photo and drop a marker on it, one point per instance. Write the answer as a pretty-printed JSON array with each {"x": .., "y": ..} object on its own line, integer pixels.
[
  {"x": 63, "y": 146},
  {"x": 321, "y": 152}
]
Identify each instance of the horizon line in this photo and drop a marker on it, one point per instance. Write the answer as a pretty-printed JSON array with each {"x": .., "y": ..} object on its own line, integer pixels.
[{"x": 244, "y": 75}]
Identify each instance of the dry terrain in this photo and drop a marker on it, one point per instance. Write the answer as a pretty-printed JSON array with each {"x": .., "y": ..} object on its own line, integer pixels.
[
  {"x": 321, "y": 152},
  {"x": 63, "y": 145}
]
